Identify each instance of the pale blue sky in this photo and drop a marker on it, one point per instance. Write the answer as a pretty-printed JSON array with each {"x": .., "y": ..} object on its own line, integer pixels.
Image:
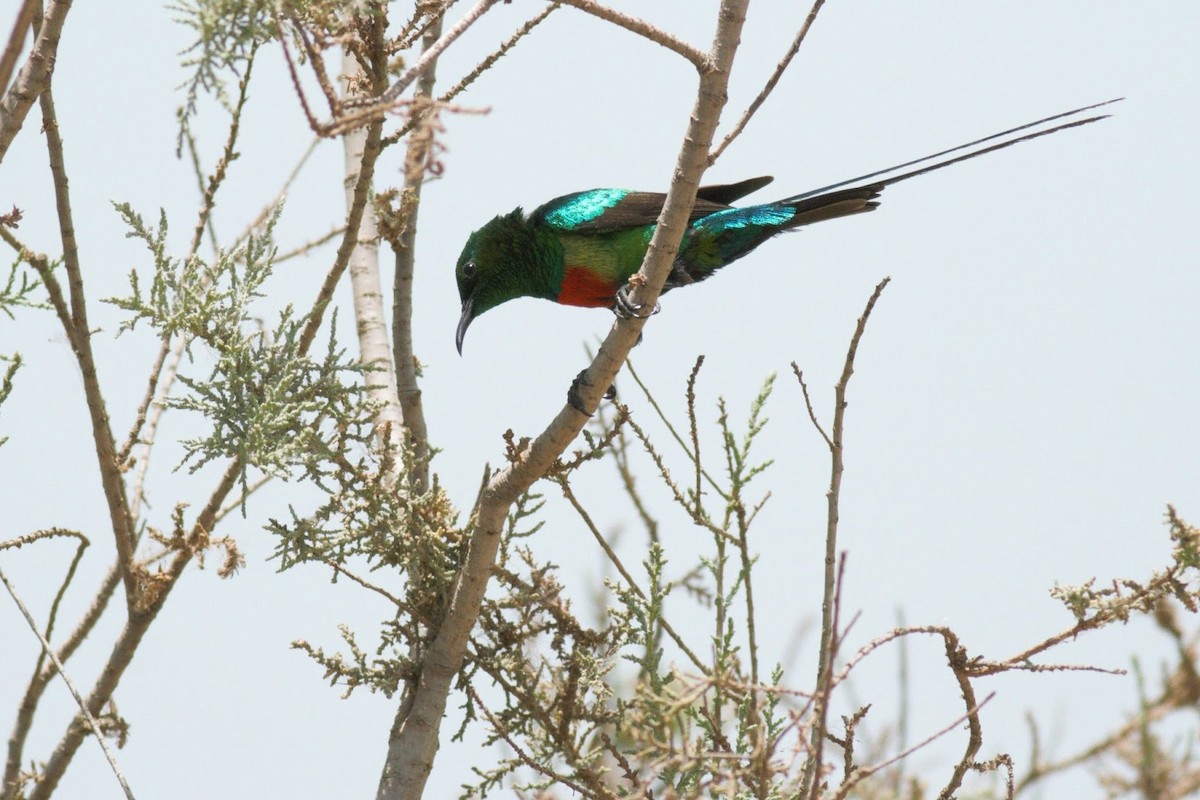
[{"x": 1023, "y": 409}]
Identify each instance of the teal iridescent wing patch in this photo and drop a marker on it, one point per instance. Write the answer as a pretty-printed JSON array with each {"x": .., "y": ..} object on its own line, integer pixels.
[
  {"x": 768, "y": 216},
  {"x": 582, "y": 210}
]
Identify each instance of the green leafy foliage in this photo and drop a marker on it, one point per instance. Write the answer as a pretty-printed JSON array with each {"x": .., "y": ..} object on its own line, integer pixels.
[
  {"x": 18, "y": 290},
  {"x": 267, "y": 402},
  {"x": 227, "y": 32}
]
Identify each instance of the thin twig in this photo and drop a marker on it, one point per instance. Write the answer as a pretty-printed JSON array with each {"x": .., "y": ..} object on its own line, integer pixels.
[
  {"x": 189, "y": 139},
  {"x": 403, "y": 241},
  {"x": 93, "y": 725},
  {"x": 808, "y": 404},
  {"x": 270, "y": 207},
  {"x": 780, "y": 68},
  {"x": 228, "y": 154},
  {"x": 363, "y": 582},
  {"x": 833, "y": 501},
  {"x": 699, "y": 59},
  {"x": 470, "y": 77},
  {"x": 429, "y": 56},
  {"x": 862, "y": 773},
  {"x": 139, "y": 418},
  {"x": 111, "y": 478},
  {"x": 308, "y": 246},
  {"x": 294, "y": 75},
  {"x": 671, "y": 427},
  {"x": 615, "y": 560}
]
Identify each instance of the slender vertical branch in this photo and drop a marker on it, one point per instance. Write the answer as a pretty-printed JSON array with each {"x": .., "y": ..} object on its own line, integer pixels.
[
  {"x": 111, "y": 477},
  {"x": 833, "y": 501},
  {"x": 365, "y": 281},
  {"x": 416, "y": 158}
]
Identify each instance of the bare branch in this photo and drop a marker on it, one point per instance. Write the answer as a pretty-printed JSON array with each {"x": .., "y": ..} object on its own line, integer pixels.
[
  {"x": 403, "y": 240},
  {"x": 34, "y": 77},
  {"x": 429, "y": 56},
  {"x": 93, "y": 725},
  {"x": 812, "y": 414},
  {"x": 111, "y": 476},
  {"x": 16, "y": 40},
  {"x": 639, "y": 26},
  {"x": 833, "y": 501},
  {"x": 780, "y": 68}
]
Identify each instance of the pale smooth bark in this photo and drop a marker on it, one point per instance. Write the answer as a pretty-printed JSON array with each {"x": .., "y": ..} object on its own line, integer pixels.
[{"x": 373, "y": 343}]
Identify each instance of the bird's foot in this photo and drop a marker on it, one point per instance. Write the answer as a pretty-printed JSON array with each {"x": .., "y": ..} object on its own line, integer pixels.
[
  {"x": 576, "y": 402},
  {"x": 625, "y": 308}
]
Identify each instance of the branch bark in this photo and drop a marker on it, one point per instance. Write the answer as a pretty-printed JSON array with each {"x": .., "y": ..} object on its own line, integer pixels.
[
  {"x": 34, "y": 76},
  {"x": 367, "y": 288},
  {"x": 79, "y": 334},
  {"x": 414, "y": 740},
  {"x": 430, "y": 55},
  {"x": 404, "y": 244}
]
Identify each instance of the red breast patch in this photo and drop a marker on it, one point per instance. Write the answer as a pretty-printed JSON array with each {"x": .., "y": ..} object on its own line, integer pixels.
[{"x": 581, "y": 287}]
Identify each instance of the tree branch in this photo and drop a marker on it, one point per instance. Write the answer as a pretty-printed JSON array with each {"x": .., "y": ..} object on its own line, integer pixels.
[
  {"x": 16, "y": 40},
  {"x": 111, "y": 477},
  {"x": 414, "y": 739},
  {"x": 833, "y": 500},
  {"x": 367, "y": 288},
  {"x": 642, "y": 28},
  {"x": 34, "y": 77},
  {"x": 780, "y": 68},
  {"x": 429, "y": 56},
  {"x": 93, "y": 725},
  {"x": 403, "y": 241}
]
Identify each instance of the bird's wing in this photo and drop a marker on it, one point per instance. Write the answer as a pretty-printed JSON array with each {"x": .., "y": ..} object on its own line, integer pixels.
[
  {"x": 606, "y": 210},
  {"x": 727, "y": 193}
]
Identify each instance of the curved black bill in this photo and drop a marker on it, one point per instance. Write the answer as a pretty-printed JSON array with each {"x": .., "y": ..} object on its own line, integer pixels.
[{"x": 463, "y": 322}]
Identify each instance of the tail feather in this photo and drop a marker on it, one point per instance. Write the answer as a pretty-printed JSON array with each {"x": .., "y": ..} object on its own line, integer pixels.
[
  {"x": 893, "y": 177},
  {"x": 832, "y": 205},
  {"x": 724, "y": 236}
]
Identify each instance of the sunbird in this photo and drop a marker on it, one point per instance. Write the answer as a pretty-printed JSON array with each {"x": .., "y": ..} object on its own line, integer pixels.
[{"x": 581, "y": 249}]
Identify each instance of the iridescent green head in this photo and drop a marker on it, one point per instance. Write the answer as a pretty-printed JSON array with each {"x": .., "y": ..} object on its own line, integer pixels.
[{"x": 505, "y": 259}]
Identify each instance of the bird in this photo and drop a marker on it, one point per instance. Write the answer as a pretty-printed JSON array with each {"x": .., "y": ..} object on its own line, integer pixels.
[{"x": 581, "y": 249}]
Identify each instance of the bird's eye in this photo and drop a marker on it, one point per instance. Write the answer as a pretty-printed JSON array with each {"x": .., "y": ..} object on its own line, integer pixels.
[{"x": 469, "y": 270}]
